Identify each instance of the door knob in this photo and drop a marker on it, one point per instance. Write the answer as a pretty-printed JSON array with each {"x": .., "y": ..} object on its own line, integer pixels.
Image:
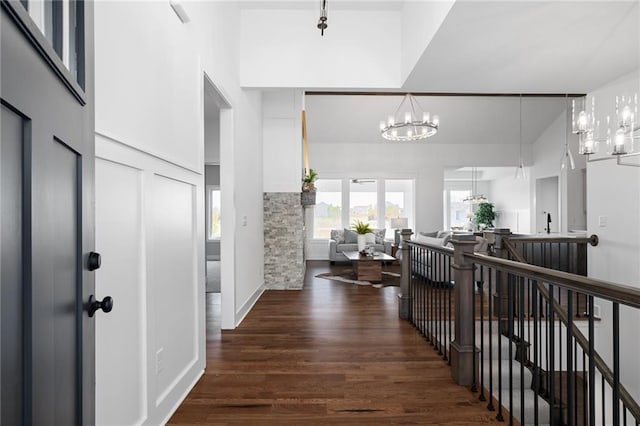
[
  {"x": 106, "y": 305},
  {"x": 94, "y": 261}
]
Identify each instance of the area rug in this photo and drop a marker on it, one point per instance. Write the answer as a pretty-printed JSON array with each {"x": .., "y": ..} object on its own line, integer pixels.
[{"x": 389, "y": 279}]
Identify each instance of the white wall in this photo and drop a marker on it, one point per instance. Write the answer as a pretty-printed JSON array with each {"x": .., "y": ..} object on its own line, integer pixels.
[
  {"x": 512, "y": 202},
  {"x": 283, "y": 48},
  {"x": 212, "y": 140},
  {"x": 547, "y": 157},
  {"x": 282, "y": 141},
  {"x": 150, "y": 149},
  {"x": 613, "y": 192}
]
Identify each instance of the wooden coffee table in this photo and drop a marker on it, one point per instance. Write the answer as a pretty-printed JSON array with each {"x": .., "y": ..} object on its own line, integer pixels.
[{"x": 368, "y": 268}]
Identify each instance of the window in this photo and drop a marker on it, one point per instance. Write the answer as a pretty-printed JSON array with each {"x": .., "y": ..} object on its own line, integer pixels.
[
  {"x": 213, "y": 213},
  {"x": 373, "y": 201},
  {"x": 57, "y": 20},
  {"x": 363, "y": 201},
  {"x": 328, "y": 210},
  {"x": 459, "y": 212}
]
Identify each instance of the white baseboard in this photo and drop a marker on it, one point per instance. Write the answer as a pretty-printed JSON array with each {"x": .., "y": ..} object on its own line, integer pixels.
[
  {"x": 182, "y": 398},
  {"x": 244, "y": 310}
]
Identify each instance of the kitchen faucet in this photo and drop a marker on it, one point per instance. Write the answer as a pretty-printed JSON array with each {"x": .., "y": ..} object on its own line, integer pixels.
[{"x": 548, "y": 228}]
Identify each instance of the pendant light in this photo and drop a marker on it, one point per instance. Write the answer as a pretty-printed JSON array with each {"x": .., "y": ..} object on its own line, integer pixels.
[
  {"x": 475, "y": 198},
  {"x": 520, "y": 170},
  {"x": 567, "y": 158}
]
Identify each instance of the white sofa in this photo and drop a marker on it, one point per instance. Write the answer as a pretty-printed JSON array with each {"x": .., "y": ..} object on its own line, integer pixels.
[{"x": 347, "y": 240}]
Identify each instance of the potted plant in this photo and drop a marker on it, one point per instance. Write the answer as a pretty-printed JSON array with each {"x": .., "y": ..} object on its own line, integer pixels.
[
  {"x": 362, "y": 229},
  {"x": 484, "y": 216},
  {"x": 308, "y": 197}
]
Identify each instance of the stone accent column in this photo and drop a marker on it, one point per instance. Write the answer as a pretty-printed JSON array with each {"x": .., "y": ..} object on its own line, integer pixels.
[
  {"x": 404, "y": 298},
  {"x": 284, "y": 263},
  {"x": 462, "y": 349}
]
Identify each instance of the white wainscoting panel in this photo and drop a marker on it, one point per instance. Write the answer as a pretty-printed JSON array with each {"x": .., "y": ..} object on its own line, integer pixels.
[
  {"x": 150, "y": 350},
  {"x": 121, "y": 344},
  {"x": 172, "y": 284}
]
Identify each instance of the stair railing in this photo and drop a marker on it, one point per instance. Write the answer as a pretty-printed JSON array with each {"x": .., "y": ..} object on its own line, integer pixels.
[
  {"x": 600, "y": 364},
  {"x": 530, "y": 356}
]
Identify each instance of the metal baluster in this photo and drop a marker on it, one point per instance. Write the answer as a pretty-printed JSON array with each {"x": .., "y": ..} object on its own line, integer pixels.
[
  {"x": 592, "y": 367},
  {"x": 481, "y": 289},
  {"x": 490, "y": 406},
  {"x": 536, "y": 345},
  {"x": 450, "y": 313},
  {"x": 440, "y": 319},
  {"x": 570, "y": 371},
  {"x": 603, "y": 402},
  {"x": 511, "y": 319},
  {"x": 560, "y": 351},
  {"x": 616, "y": 364},
  {"x": 551, "y": 357},
  {"x": 474, "y": 386},
  {"x": 499, "y": 416},
  {"x": 521, "y": 341}
]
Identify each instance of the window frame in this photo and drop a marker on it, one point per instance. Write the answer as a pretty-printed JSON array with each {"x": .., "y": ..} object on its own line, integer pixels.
[
  {"x": 18, "y": 11},
  {"x": 381, "y": 190}
]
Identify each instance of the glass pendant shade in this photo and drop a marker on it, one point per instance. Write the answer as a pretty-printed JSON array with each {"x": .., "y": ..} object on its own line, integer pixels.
[
  {"x": 567, "y": 160},
  {"x": 626, "y": 119},
  {"x": 584, "y": 124},
  {"x": 520, "y": 170}
]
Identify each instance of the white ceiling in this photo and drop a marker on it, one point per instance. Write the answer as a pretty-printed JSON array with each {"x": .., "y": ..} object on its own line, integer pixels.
[
  {"x": 495, "y": 47},
  {"x": 530, "y": 47},
  {"x": 507, "y": 47}
]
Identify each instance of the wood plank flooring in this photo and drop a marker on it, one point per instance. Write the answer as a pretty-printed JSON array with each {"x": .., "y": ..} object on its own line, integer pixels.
[{"x": 332, "y": 354}]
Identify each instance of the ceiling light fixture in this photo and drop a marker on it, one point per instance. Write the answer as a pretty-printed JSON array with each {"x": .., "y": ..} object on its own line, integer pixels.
[
  {"x": 567, "y": 158},
  {"x": 409, "y": 122},
  {"x": 322, "y": 21},
  {"x": 588, "y": 128},
  {"x": 474, "y": 198},
  {"x": 520, "y": 170}
]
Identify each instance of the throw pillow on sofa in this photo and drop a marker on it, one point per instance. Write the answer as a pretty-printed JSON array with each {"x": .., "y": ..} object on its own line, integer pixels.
[
  {"x": 379, "y": 233},
  {"x": 350, "y": 237},
  {"x": 337, "y": 235}
]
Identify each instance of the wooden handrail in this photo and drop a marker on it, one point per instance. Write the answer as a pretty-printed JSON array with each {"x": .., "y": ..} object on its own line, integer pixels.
[
  {"x": 440, "y": 249},
  {"x": 600, "y": 364},
  {"x": 593, "y": 239},
  {"x": 624, "y": 295}
]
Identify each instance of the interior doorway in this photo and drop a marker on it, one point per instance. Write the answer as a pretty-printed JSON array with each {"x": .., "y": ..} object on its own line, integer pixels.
[{"x": 219, "y": 285}]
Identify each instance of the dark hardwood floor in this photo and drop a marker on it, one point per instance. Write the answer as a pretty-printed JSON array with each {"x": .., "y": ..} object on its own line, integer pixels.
[{"x": 332, "y": 353}]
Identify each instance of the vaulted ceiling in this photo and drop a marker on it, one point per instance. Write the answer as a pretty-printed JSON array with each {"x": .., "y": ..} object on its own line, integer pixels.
[{"x": 464, "y": 46}]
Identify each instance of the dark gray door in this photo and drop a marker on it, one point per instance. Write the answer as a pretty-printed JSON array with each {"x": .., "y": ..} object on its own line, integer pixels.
[{"x": 46, "y": 232}]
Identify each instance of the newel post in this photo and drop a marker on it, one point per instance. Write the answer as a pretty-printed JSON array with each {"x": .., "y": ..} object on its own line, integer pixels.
[
  {"x": 404, "y": 298},
  {"x": 501, "y": 293},
  {"x": 462, "y": 348}
]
